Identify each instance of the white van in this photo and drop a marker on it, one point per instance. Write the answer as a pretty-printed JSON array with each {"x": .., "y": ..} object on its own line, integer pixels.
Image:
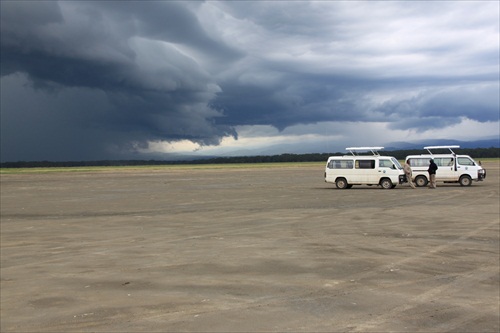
[
  {"x": 348, "y": 170},
  {"x": 452, "y": 168}
]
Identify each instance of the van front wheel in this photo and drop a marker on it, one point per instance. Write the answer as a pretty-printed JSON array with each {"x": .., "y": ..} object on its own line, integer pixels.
[
  {"x": 465, "y": 181},
  {"x": 386, "y": 183},
  {"x": 341, "y": 183},
  {"x": 421, "y": 181}
]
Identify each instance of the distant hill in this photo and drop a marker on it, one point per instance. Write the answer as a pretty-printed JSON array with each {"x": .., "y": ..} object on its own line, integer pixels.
[
  {"x": 332, "y": 147},
  {"x": 280, "y": 153},
  {"x": 478, "y": 153}
]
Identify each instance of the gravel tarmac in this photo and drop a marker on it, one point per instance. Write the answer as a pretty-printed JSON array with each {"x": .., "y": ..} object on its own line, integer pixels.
[{"x": 267, "y": 249}]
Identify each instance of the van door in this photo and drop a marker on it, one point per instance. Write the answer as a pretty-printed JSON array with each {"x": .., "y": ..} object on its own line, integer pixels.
[
  {"x": 446, "y": 168},
  {"x": 465, "y": 165},
  {"x": 365, "y": 172},
  {"x": 387, "y": 168}
]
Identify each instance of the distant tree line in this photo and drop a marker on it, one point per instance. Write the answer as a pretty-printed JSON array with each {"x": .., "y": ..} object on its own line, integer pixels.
[{"x": 476, "y": 153}]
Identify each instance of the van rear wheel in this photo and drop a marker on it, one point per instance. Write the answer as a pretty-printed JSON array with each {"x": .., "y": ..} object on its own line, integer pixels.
[
  {"x": 386, "y": 183},
  {"x": 421, "y": 181},
  {"x": 341, "y": 183},
  {"x": 465, "y": 180}
]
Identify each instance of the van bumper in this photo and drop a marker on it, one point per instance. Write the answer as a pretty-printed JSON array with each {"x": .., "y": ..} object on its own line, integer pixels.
[
  {"x": 402, "y": 179},
  {"x": 481, "y": 175}
]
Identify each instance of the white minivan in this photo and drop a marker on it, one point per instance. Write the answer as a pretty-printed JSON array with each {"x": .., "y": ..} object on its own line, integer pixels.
[
  {"x": 348, "y": 170},
  {"x": 452, "y": 168}
]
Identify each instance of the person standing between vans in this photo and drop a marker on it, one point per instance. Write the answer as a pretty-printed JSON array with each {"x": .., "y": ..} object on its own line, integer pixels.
[
  {"x": 432, "y": 173},
  {"x": 407, "y": 169}
]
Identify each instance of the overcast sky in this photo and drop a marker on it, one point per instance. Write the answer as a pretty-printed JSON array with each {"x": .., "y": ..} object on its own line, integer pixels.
[{"x": 89, "y": 80}]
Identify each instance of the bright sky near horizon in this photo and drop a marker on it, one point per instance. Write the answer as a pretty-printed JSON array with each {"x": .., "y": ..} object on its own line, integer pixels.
[{"x": 90, "y": 80}]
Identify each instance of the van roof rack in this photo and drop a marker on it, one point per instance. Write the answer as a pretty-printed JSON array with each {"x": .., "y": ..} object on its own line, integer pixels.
[
  {"x": 374, "y": 150},
  {"x": 428, "y": 148}
]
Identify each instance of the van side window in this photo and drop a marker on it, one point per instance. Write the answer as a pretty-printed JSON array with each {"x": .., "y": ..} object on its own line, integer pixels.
[
  {"x": 444, "y": 161},
  {"x": 340, "y": 164},
  {"x": 385, "y": 164},
  {"x": 419, "y": 162},
  {"x": 464, "y": 161},
  {"x": 365, "y": 164}
]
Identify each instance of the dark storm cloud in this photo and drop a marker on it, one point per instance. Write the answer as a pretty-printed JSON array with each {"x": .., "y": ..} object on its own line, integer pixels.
[
  {"x": 101, "y": 79},
  {"x": 294, "y": 100},
  {"x": 124, "y": 50}
]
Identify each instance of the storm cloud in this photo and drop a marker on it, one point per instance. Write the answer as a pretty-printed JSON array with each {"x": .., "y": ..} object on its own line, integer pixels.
[{"x": 106, "y": 79}]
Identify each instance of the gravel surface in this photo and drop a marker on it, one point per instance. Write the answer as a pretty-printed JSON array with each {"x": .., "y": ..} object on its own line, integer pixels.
[{"x": 246, "y": 249}]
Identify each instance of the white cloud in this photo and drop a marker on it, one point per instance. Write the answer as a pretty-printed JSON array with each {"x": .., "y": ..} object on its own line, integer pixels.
[{"x": 467, "y": 129}]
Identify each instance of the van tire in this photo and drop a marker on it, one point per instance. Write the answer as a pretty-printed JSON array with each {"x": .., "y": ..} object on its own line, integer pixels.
[
  {"x": 465, "y": 180},
  {"x": 421, "y": 181},
  {"x": 341, "y": 183},
  {"x": 386, "y": 183}
]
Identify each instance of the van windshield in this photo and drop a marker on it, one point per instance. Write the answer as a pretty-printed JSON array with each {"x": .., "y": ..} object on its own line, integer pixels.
[{"x": 396, "y": 163}]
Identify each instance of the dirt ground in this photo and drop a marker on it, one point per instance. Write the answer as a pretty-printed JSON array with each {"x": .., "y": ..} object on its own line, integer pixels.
[{"x": 246, "y": 249}]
